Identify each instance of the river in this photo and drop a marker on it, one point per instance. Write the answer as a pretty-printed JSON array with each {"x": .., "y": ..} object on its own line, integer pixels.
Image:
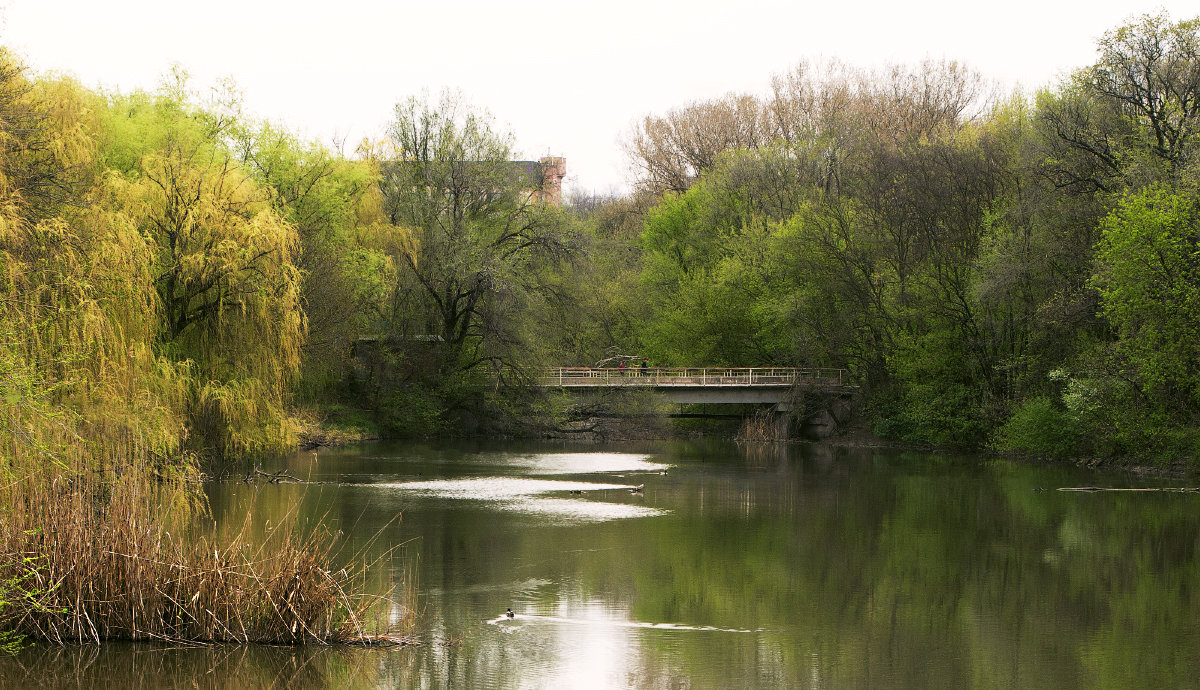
[{"x": 803, "y": 566}]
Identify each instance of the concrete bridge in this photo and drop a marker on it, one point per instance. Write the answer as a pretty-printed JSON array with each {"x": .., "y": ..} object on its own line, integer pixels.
[
  {"x": 714, "y": 385},
  {"x": 773, "y": 386}
]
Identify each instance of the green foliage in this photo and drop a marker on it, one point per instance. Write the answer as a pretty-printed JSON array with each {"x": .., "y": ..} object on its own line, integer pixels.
[
  {"x": 413, "y": 411},
  {"x": 955, "y": 262},
  {"x": 1040, "y": 427},
  {"x": 675, "y": 243},
  {"x": 711, "y": 273},
  {"x": 1148, "y": 276},
  {"x": 936, "y": 399}
]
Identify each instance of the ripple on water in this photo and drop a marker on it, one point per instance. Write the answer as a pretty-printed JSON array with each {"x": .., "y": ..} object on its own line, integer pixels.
[
  {"x": 586, "y": 463},
  {"x": 529, "y": 618},
  {"x": 575, "y": 510},
  {"x": 527, "y": 496}
]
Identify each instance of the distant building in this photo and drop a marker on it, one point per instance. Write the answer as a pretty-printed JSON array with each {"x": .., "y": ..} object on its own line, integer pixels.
[{"x": 552, "y": 170}]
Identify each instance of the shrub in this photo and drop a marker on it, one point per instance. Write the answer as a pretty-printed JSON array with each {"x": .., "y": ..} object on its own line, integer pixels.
[{"x": 1040, "y": 426}]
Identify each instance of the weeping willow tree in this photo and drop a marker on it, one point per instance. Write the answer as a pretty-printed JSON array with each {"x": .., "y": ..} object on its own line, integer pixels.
[
  {"x": 229, "y": 292},
  {"x": 223, "y": 268},
  {"x": 81, "y": 382},
  {"x": 150, "y": 298}
]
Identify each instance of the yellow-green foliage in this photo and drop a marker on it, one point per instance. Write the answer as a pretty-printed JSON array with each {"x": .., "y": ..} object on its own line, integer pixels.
[
  {"x": 150, "y": 307},
  {"x": 81, "y": 384},
  {"x": 336, "y": 207},
  {"x": 230, "y": 295},
  {"x": 150, "y": 313}
]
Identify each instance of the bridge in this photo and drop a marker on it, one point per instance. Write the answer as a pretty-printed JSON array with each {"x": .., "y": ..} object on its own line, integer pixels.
[{"x": 713, "y": 385}]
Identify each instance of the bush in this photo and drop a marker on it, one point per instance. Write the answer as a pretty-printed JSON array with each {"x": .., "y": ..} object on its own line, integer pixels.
[
  {"x": 412, "y": 411},
  {"x": 944, "y": 416},
  {"x": 1040, "y": 426}
]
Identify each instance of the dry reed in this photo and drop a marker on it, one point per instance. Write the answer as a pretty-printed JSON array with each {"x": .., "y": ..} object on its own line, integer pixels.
[
  {"x": 87, "y": 563},
  {"x": 761, "y": 427}
]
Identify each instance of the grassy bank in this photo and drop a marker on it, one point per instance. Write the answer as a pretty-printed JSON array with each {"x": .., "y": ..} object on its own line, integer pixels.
[{"x": 331, "y": 425}]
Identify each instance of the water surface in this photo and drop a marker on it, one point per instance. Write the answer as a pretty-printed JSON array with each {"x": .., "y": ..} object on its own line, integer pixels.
[{"x": 800, "y": 566}]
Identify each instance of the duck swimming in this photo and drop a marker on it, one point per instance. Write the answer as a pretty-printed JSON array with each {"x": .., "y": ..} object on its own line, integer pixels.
[{"x": 510, "y": 613}]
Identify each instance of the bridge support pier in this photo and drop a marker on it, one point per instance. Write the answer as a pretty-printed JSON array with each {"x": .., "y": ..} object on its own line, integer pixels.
[
  {"x": 782, "y": 414},
  {"x": 783, "y": 426}
]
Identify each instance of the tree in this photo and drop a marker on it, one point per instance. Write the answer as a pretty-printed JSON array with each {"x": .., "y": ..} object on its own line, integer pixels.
[
  {"x": 1131, "y": 118},
  {"x": 595, "y": 306},
  {"x": 673, "y": 150},
  {"x": 336, "y": 208},
  {"x": 1149, "y": 71},
  {"x": 1148, "y": 275},
  {"x": 479, "y": 239},
  {"x": 224, "y": 277}
]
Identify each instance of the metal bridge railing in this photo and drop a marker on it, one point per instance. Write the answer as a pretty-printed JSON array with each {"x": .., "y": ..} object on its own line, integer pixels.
[{"x": 590, "y": 377}]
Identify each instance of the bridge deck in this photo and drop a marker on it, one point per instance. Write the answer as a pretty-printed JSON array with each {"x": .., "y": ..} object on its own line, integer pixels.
[{"x": 691, "y": 377}]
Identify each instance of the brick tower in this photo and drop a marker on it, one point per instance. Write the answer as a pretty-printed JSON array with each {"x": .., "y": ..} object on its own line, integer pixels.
[{"x": 554, "y": 169}]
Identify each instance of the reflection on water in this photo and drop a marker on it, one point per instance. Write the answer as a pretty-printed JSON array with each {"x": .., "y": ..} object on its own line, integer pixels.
[
  {"x": 522, "y": 495},
  {"x": 518, "y": 618},
  {"x": 584, "y": 463},
  {"x": 495, "y": 488},
  {"x": 579, "y": 511},
  {"x": 128, "y": 665},
  {"x": 773, "y": 566}
]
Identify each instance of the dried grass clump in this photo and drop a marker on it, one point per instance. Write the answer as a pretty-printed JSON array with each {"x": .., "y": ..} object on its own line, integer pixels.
[
  {"x": 83, "y": 567},
  {"x": 761, "y": 427}
]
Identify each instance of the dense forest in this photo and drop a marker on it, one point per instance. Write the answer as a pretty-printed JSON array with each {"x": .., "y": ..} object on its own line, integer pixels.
[
  {"x": 1008, "y": 271},
  {"x": 184, "y": 286}
]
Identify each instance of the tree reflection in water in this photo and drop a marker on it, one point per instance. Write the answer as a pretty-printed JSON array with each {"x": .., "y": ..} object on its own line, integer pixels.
[{"x": 850, "y": 568}]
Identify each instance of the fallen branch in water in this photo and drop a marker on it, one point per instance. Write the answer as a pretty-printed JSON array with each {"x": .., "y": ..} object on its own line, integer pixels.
[
  {"x": 279, "y": 477},
  {"x": 383, "y": 641},
  {"x": 1163, "y": 489}
]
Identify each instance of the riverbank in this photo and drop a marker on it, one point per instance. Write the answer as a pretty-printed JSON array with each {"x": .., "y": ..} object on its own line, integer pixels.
[
  {"x": 860, "y": 437},
  {"x": 856, "y": 435},
  {"x": 331, "y": 426}
]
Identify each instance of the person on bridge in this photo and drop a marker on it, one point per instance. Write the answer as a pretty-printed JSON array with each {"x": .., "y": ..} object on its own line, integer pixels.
[
  {"x": 645, "y": 365},
  {"x": 622, "y": 367}
]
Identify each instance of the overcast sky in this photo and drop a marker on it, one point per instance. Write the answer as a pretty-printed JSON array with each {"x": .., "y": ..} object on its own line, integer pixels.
[{"x": 568, "y": 78}]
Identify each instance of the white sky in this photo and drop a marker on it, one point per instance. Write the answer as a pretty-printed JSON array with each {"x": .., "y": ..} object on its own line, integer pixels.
[{"x": 567, "y": 77}]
